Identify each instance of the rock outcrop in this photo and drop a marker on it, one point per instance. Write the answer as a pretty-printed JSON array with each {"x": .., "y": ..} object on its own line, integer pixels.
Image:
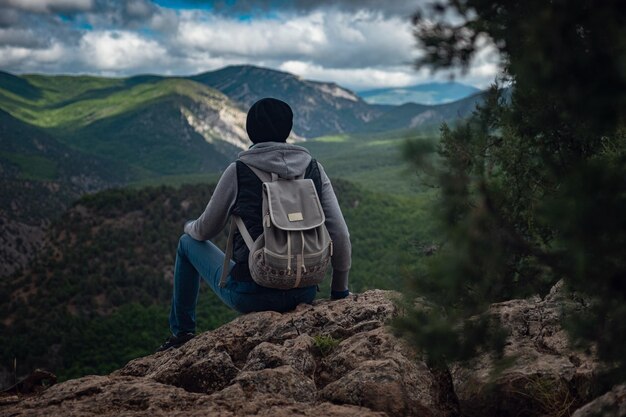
[
  {"x": 544, "y": 375},
  {"x": 331, "y": 359},
  {"x": 338, "y": 359}
]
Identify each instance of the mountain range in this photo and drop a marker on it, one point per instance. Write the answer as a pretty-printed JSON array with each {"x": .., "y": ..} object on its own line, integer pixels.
[
  {"x": 319, "y": 108},
  {"x": 149, "y": 126},
  {"x": 211, "y": 102}
]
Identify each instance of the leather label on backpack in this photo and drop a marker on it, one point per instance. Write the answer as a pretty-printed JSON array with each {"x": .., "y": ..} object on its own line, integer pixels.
[{"x": 295, "y": 217}]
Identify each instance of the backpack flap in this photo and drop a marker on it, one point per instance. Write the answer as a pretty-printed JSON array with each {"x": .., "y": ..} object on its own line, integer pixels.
[{"x": 294, "y": 204}]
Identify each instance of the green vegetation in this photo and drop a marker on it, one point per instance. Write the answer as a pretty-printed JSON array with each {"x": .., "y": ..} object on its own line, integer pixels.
[
  {"x": 136, "y": 124},
  {"x": 176, "y": 180},
  {"x": 69, "y": 103},
  {"x": 28, "y": 152},
  {"x": 32, "y": 167},
  {"x": 99, "y": 294},
  {"x": 332, "y": 139},
  {"x": 373, "y": 161},
  {"x": 533, "y": 189},
  {"x": 551, "y": 397},
  {"x": 165, "y": 144},
  {"x": 81, "y": 113},
  {"x": 382, "y": 244},
  {"x": 325, "y": 344}
]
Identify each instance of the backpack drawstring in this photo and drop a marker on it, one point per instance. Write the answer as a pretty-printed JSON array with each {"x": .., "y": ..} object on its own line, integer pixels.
[
  {"x": 300, "y": 268},
  {"x": 303, "y": 266},
  {"x": 288, "y": 253}
]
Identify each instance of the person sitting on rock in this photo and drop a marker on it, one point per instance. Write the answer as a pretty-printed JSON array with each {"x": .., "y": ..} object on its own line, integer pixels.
[{"x": 269, "y": 122}]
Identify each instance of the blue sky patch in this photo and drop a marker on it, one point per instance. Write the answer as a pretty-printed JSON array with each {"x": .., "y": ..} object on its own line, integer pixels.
[{"x": 185, "y": 4}]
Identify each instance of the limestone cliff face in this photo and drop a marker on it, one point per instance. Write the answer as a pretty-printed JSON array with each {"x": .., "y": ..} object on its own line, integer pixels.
[{"x": 332, "y": 359}]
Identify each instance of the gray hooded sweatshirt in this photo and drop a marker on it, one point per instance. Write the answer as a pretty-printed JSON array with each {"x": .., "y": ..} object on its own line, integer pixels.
[{"x": 288, "y": 161}]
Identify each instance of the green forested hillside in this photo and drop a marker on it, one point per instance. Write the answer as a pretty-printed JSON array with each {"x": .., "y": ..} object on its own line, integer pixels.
[
  {"x": 30, "y": 153},
  {"x": 155, "y": 138},
  {"x": 99, "y": 293},
  {"x": 69, "y": 102},
  {"x": 148, "y": 125},
  {"x": 39, "y": 177},
  {"x": 411, "y": 115},
  {"x": 372, "y": 160}
]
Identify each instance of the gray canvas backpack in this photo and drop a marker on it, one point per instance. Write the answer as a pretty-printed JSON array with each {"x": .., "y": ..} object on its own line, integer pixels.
[{"x": 294, "y": 249}]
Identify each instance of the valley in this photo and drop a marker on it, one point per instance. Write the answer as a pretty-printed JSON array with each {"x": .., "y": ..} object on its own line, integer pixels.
[{"x": 97, "y": 294}]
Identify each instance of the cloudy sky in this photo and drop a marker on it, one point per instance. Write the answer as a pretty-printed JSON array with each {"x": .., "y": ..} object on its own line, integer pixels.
[{"x": 358, "y": 44}]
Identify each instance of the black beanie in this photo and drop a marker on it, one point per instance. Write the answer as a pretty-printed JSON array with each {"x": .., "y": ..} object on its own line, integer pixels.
[{"x": 269, "y": 120}]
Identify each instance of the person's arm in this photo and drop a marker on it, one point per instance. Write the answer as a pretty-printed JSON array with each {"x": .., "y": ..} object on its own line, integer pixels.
[
  {"x": 216, "y": 213},
  {"x": 338, "y": 230}
]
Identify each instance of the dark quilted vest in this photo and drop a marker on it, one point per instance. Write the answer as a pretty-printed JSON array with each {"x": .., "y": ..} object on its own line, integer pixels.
[{"x": 248, "y": 207}]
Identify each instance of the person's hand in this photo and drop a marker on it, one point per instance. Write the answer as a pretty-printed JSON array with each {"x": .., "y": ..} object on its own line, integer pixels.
[{"x": 338, "y": 295}]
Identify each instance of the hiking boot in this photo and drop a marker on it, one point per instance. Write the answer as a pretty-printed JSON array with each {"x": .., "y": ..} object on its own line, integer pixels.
[{"x": 176, "y": 341}]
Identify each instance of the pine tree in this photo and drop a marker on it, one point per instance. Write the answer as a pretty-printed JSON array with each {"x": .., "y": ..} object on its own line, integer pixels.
[{"x": 533, "y": 186}]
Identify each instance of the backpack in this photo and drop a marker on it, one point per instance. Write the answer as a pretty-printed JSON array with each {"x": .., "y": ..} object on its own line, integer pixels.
[{"x": 295, "y": 248}]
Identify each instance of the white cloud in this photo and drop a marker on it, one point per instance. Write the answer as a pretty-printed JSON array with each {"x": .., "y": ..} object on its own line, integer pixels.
[
  {"x": 360, "y": 79},
  {"x": 118, "y": 51},
  {"x": 366, "y": 39},
  {"x": 49, "y": 6},
  {"x": 357, "y": 79},
  {"x": 358, "y": 50},
  {"x": 36, "y": 60},
  {"x": 262, "y": 38},
  {"x": 329, "y": 39},
  {"x": 164, "y": 21}
]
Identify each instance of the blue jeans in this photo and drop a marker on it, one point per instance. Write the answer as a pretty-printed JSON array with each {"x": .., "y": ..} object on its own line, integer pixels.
[{"x": 195, "y": 259}]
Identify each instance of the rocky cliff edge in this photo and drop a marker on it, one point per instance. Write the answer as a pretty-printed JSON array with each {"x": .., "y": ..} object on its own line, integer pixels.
[{"x": 335, "y": 359}]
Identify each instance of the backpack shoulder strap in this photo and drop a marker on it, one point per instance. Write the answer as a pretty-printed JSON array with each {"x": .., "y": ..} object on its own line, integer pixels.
[
  {"x": 313, "y": 172},
  {"x": 235, "y": 222},
  {"x": 263, "y": 175}
]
